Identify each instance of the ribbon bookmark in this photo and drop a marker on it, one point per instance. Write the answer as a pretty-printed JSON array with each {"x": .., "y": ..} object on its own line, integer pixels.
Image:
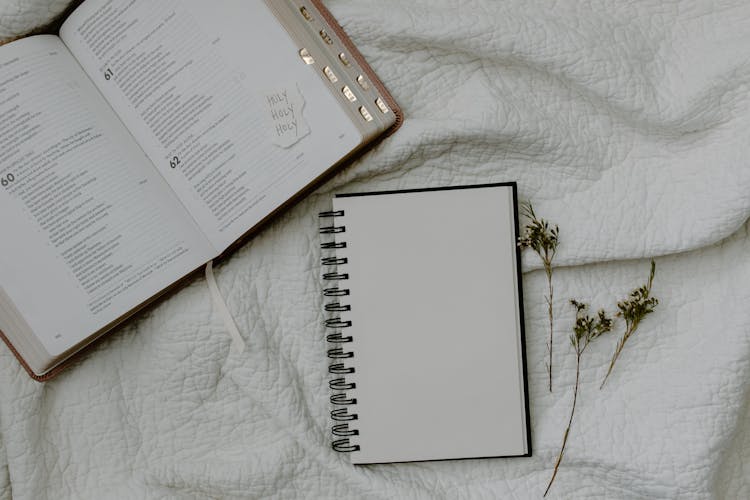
[{"x": 238, "y": 344}]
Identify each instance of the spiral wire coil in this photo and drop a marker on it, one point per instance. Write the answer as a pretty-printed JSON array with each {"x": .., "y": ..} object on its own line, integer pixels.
[{"x": 337, "y": 340}]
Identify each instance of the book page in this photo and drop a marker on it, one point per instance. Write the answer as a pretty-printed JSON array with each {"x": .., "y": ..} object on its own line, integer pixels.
[
  {"x": 436, "y": 324},
  {"x": 219, "y": 98},
  {"x": 89, "y": 229}
]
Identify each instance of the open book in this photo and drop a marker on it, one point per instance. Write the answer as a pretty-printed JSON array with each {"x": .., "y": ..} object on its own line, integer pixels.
[{"x": 148, "y": 138}]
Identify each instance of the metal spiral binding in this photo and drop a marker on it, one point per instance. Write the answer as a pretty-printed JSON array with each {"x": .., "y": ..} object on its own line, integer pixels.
[{"x": 337, "y": 352}]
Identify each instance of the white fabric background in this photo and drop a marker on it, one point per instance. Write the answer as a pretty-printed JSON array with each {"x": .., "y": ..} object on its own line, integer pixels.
[
  {"x": 18, "y": 17},
  {"x": 625, "y": 122}
]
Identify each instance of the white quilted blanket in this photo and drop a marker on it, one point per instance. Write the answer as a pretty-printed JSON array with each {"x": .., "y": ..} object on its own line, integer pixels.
[{"x": 628, "y": 123}]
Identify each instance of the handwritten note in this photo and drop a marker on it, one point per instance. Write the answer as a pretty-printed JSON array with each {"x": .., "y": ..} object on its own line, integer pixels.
[{"x": 286, "y": 124}]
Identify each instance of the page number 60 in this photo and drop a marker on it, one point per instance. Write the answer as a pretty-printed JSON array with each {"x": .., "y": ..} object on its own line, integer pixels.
[{"x": 7, "y": 180}]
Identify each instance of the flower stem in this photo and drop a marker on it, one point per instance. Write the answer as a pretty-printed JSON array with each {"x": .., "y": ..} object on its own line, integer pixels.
[
  {"x": 628, "y": 331},
  {"x": 570, "y": 422},
  {"x": 548, "y": 269}
]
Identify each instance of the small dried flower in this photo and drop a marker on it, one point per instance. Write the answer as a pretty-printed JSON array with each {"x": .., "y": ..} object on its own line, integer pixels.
[
  {"x": 585, "y": 330},
  {"x": 637, "y": 306},
  {"x": 542, "y": 238},
  {"x": 538, "y": 235}
]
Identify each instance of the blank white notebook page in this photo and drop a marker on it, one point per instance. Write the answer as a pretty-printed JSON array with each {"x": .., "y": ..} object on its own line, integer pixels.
[{"x": 436, "y": 324}]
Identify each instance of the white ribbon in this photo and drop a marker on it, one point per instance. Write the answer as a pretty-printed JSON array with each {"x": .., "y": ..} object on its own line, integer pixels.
[{"x": 238, "y": 344}]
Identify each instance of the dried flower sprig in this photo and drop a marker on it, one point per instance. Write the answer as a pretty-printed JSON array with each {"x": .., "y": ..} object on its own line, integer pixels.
[
  {"x": 585, "y": 330},
  {"x": 542, "y": 238},
  {"x": 637, "y": 306}
]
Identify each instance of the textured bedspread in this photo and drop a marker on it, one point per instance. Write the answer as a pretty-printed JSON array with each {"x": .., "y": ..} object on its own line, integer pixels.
[{"x": 628, "y": 123}]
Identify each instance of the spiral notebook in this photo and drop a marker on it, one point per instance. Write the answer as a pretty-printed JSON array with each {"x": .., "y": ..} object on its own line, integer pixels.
[{"x": 424, "y": 314}]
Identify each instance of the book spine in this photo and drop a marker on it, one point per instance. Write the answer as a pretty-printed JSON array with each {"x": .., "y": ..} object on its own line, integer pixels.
[{"x": 334, "y": 294}]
